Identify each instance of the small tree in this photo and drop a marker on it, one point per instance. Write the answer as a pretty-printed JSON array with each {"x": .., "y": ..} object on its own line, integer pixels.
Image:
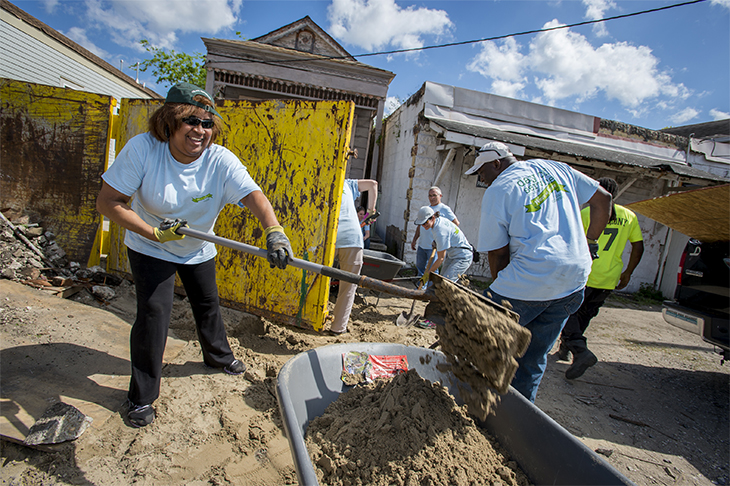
[{"x": 172, "y": 67}]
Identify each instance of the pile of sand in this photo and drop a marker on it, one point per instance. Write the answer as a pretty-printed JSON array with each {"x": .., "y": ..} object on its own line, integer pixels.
[{"x": 404, "y": 431}]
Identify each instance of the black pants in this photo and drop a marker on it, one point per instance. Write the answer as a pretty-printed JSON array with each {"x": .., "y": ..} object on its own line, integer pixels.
[
  {"x": 154, "y": 280},
  {"x": 578, "y": 322}
]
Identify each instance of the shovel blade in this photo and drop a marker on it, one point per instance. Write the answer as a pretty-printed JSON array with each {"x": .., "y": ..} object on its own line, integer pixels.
[{"x": 406, "y": 319}]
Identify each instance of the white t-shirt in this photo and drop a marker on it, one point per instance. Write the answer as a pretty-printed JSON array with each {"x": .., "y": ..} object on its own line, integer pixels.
[
  {"x": 534, "y": 206},
  {"x": 349, "y": 233},
  {"x": 425, "y": 237},
  {"x": 163, "y": 188},
  {"x": 449, "y": 237}
]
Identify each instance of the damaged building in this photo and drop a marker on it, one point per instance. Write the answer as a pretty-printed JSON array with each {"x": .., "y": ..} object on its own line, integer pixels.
[{"x": 432, "y": 140}]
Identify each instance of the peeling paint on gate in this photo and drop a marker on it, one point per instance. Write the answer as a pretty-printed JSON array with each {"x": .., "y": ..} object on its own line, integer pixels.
[
  {"x": 53, "y": 150},
  {"x": 297, "y": 152}
]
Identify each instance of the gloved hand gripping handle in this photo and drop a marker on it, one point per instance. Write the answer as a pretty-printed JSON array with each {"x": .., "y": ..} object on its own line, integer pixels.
[
  {"x": 278, "y": 248},
  {"x": 167, "y": 231}
]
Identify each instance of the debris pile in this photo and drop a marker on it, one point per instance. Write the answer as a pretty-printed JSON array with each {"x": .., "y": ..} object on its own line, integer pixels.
[{"x": 29, "y": 254}]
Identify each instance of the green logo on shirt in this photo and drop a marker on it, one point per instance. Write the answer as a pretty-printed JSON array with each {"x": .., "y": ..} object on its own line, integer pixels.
[
  {"x": 537, "y": 201},
  {"x": 202, "y": 198}
]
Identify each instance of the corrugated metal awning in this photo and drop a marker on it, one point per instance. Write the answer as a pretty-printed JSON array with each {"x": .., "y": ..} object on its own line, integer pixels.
[{"x": 581, "y": 151}]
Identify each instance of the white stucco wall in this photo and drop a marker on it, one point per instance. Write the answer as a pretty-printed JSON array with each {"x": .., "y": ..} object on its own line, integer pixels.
[{"x": 394, "y": 180}]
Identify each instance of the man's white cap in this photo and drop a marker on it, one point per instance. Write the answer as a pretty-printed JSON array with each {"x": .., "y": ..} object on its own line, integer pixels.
[
  {"x": 489, "y": 152},
  {"x": 424, "y": 214}
]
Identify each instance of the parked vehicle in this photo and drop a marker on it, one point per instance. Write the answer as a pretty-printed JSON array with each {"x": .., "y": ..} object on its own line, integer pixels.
[{"x": 702, "y": 299}]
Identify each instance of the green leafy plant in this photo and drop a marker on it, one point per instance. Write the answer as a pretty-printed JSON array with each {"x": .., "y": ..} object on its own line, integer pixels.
[
  {"x": 647, "y": 294},
  {"x": 173, "y": 67}
]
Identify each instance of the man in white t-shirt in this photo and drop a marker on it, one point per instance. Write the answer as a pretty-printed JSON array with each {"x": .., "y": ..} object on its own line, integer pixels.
[
  {"x": 539, "y": 255},
  {"x": 423, "y": 236}
]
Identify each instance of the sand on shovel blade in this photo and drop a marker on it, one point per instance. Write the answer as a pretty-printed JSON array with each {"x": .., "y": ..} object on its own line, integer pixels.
[{"x": 482, "y": 341}]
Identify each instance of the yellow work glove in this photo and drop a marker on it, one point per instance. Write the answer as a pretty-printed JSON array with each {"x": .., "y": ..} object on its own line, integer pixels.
[
  {"x": 168, "y": 230},
  {"x": 278, "y": 248}
]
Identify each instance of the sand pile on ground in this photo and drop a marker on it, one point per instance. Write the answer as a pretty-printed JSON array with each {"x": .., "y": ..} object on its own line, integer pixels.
[
  {"x": 404, "y": 431},
  {"x": 481, "y": 341}
]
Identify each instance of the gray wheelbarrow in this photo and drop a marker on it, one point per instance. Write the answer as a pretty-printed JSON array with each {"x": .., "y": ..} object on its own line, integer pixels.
[{"x": 545, "y": 451}]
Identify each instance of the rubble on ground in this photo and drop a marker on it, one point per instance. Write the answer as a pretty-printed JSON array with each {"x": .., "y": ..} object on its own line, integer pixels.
[{"x": 30, "y": 255}]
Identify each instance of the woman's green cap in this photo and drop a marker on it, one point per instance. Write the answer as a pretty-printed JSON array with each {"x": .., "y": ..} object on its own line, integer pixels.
[{"x": 185, "y": 92}]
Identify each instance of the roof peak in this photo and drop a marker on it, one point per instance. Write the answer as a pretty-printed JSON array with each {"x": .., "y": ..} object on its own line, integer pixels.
[{"x": 306, "y": 36}]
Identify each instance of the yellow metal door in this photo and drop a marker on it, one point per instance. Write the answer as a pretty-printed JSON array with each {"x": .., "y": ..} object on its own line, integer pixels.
[{"x": 297, "y": 152}]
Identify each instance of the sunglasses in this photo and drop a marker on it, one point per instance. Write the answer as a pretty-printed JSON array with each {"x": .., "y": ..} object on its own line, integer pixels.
[{"x": 194, "y": 121}]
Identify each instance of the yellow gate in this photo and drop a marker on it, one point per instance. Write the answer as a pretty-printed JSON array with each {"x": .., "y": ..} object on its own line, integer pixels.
[{"x": 297, "y": 152}]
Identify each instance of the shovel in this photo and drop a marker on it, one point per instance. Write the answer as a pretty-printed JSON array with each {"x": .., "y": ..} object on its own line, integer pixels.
[
  {"x": 480, "y": 361},
  {"x": 435, "y": 310},
  {"x": 409, "y": 319},
  {"x": 334, "y": 273}
]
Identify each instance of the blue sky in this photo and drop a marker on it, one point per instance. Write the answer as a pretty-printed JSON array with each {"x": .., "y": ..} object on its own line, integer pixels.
[{"x": 668, "y": 68}]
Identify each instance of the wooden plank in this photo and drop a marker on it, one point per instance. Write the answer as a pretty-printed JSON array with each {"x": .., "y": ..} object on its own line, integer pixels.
[{"x": 703, "y": 213}]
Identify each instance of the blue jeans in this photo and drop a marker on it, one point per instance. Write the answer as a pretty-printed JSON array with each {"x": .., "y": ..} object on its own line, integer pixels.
[
  {"x": 453, "y": 267},
  {"x": 422, "y": 256},
  {"x": 544, "y": 319}
]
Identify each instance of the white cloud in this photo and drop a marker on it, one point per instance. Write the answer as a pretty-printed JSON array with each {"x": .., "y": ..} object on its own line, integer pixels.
[
  {"x": 508, "y": 88},
  {"x": 684, "y": 116},
  {"x": 375, "y": 24},
  {"x": 565, "y": 67},
  {"x": 504, "y": 64},
  {"x": 50, "y": 5},
  {"x": 722, "y": 3},
  {"x": 719, "y": 115},
  {"x": 595, "y": 10},
  {"x": 391, "y": 104},
  {"x": 208, "y": 16},
  {"x": 78, "y": 35},
  {"x": 129, "y": 21}
]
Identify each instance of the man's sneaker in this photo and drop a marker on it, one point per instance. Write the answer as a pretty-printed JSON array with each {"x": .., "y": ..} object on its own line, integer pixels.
[
  {"x": 581, "y": 362},
  {"x": 140, "y": 415},
  {"x": 563, "y": 351},
  {"x": 235, "y": 368}
]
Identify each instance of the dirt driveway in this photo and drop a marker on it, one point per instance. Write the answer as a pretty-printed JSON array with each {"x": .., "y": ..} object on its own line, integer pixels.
[{"x": 656, "y": 406}]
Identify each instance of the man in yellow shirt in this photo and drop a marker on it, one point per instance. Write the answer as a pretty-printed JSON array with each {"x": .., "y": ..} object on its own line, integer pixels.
[{"x": 605, "y": 276}]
